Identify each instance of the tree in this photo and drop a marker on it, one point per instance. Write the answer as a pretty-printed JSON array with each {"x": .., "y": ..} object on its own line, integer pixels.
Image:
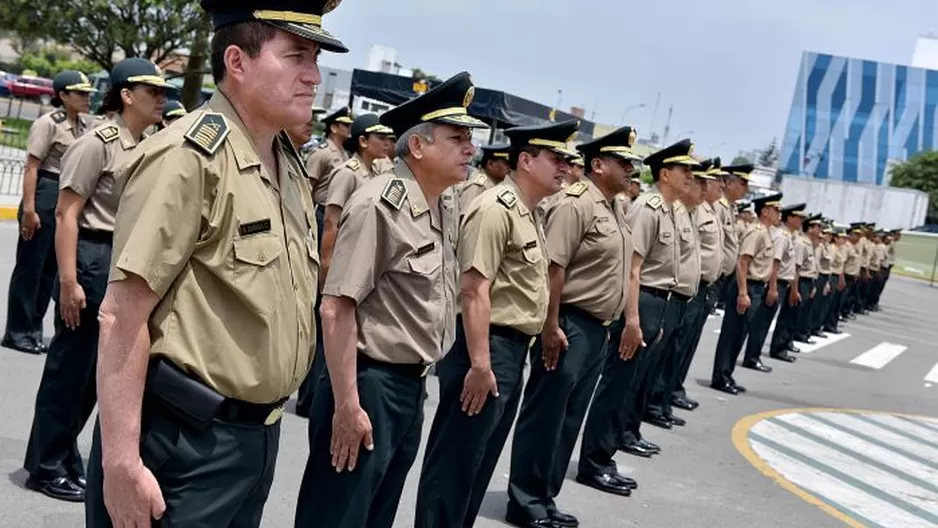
[
  {"x": 47, "y": 61},
  {"x": 195, "y": 68},
  {"x": 919, "y": 172},
  {"x": 96, "y": 29},
  {"x": 769, "y": 156},
  {"x": 740, "y": 160}
]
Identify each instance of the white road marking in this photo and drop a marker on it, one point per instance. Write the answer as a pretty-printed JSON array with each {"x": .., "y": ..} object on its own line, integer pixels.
[
  {"x": 879, "y": 356},
  {"x": 920, "y": 431},
  {"x": 882, "y": 435},
  {"x": 820, "y": 343},
  {"x": 932, "y": 376}
]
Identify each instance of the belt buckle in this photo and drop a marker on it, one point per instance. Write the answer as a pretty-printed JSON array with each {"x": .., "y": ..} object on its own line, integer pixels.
[
  {"x": 426, "y": 370},
  {"x": 607, "y": 323},
  {"x": 274, "y": 415}
]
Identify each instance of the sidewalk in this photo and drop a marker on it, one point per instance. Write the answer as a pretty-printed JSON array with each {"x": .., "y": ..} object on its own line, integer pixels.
[{"x": 8, "y": 207}]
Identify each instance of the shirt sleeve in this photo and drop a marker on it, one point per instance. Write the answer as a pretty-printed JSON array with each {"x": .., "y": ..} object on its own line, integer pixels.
[
  {"x": 40, "y": 137},
  {"x": 82, "y": 165},
  {"x": 781, "y": 245},
  {"x": 362, "y": 251},
  {"x": 341, "y": 187},
  {"x": 749, "y": 243},
  {"x": 565, "y": 230},
  {"x": 644, "y": 226},
  {"x": 484, "y": 236},
  {"x": 160, "y": 216}
]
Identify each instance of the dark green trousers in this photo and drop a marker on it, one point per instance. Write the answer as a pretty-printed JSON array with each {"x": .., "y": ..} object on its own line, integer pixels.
[
  {"x": 848, "y": 305},
  {"x": 734, "y": 331},
  {"x": 805, "y": 309},
  {"x": 832, "y": 317},
  {"x": 393, "y": 397},
  {"x": 661, "y": 384},
  {"x": 219, "y": 477},
  {"x": 552, "y": 413},
  {"x": 786, "y": 324},
  {"x": 761, "y": 321},
  {"x": 698, "y": 310},
  {"x": 67, "y": 393},
  {"x": 661, "y": 357},
  {"x": 821, "y": 302},
  {"x": 462, "y": 450}
]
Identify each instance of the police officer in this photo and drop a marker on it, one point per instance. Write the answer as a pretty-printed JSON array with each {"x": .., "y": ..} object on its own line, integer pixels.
[
  {"x": 504, "y": 301},
  {"x": 786, "y": 252},
  {"x": 172, "y": 111},
  {"x": 35, "y": 268},
  {"x": 807, "y": 278},
  {"x": 493, "y": 167},
  {"x": 710, "y": 234},
  {"x": 85, "y": 212},
  {"x": 207, "y": 323},
  {"x": 851, "y": 271},
  {"x": 588, "y": 245},
  {"x": 635, "y": 188},
  {"x": 659, "y": 410},
  {"x": 735, "y": 186},
  {"x": 837, "y": 283},
  {"x": 396, "y": 293},
  {"x": 300, "y": 134},
  {"x": 753, "y": 275},
  {"x": 824, "y": 256},
  {"x": 329, "y": 155},
  {"x": 878, "y": 254},
  {"x": 865, "y": 250}
]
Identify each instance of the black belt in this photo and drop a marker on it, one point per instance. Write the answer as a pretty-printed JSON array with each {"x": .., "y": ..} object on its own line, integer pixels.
[
  {"x": 579, "y": 312},
  {"x": 48, "y": 175},
  {"x": 242, "y": 412},
  {"x": 665, "y": 294},
  {"x": 410, "y": 370},
  {"x": 96, "y": 235},
  {"x": 511, "y": 334},
  {"x": 704, "y": 285},
  {"x": 806, "y": 280},
  {"x": 824, "y": 276},
  {"x": 786, "y": 282}
]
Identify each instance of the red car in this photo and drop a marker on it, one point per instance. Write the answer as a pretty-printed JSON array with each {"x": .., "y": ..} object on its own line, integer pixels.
[{"x": 35, "y": 88}]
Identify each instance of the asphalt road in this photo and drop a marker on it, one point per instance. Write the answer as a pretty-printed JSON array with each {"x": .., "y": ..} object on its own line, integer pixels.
[
  {"x": 21, "y": 109},
  {"x": 732, "y": 465}
]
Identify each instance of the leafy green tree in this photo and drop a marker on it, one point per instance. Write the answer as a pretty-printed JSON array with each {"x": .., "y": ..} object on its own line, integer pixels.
[
  {"x": 50, "y": 60},
  {"x": 769, "y": 156},
  {"x": 740, "y": 160},
  {"x": 919, "y": 172}
]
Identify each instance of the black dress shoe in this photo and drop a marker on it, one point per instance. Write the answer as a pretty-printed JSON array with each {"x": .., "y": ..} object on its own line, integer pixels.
[
  {"x": 684, "y": 403},
  {"x": 81, "y": 482},
  {"x": 625, "y": 481},
  {"x": 801, "y": 338},
  {"x": 830, "y": 330},
  {"x": 724, "y": 387},
  {"x": 783, "y": 357},
  {"x": 604, "y": 483},
  {"x": 739, "y": 388},
  {"x": 21, "y": 344},
  {"x": 634, "y": 448},
  {"x": 793, "y": 349},
  {"x": 645, "y": 444},
  {"x": 677, "y": 420},
  {"x": 516, "y": 519},
  {"x": 757, "y": 365},
  {"x": 658, "y": 421},
  {"x": 562, "y": 519},
  {"x": 818, "y": 333},
  {"x": 58, "y": 488}
]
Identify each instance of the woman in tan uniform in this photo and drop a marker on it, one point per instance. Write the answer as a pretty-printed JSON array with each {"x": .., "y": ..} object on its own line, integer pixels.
[
  {"x": 87, "y": 204},
  {"x": 34, "y": 272}
]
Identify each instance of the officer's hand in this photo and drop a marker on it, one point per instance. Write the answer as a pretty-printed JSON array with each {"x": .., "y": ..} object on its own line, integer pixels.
[
  {"x": 132, "y": 495},
  {"x": 743, "y": 303},
  {"x": 71, "y": 303},
  {"x": 29, "y": 224},
  {"x": 351, "y": 428},
  {"x": 772, "y": 297},
  {"x": 553, "y": 342},
  {"x": 813, "y": 291},
  {"x": 827, "y": 289},
  {"x": 632, "y": 340},
  {"x": 842, "y": 284},
  {"x": 476, "y": 387}
]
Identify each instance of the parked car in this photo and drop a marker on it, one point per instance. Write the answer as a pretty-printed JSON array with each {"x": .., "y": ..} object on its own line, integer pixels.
[
  {"x": 6, "y": 79},
  {"x": 34, "y": 88}
]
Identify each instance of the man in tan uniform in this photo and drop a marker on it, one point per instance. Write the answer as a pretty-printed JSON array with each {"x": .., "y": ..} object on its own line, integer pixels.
[
  {"x": 573, "y": 174},
  {"x": 851, "y": 271},
  {"x": 838, "y": 282},
  {"x": 504, "y": 299},
  {"x": 878, "y": 255},
  {"x": 735, "y": 186},
  {"x": 493, "y": 167},
  {"x": 753, "y": 273},
  {"x": 807, "y": 277},
  {"x": 824, "y": 256},
  {"x": 324, "y": 159},
  {"x": 207, "y": 324},
  {"x": 588, "y": 245},
  {"x": 785, "y": 240},
  {"x": 388, "y": 316},
  {"x": 865, "y": 250}
]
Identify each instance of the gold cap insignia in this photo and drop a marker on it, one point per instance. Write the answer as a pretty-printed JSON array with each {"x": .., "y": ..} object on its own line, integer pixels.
[
  {"x": 690, "y": 149},
  {"x": 470, "y": 93},
  {"x": 330, "y": 5}
]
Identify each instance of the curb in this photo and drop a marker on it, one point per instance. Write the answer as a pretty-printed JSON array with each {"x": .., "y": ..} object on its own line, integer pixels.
[{"x": 8, "y": 213}]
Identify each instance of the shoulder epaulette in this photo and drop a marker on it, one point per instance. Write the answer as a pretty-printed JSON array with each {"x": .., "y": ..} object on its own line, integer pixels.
[
  {"x": 353, "y": 164},
  {"x": 323, "y": 145},
  {"x": 508, "y": 198},
  {"x": 480, "y": 179},
  {"x": 208, "y": 133},
  {"x": 577, "y": 189},
  {"x": 108, "y": 133},
  {"x": 724, "y": 201},
  {"x": 58, "y": 116},
  {"x": 394, "y": 193},
  {"x": 654, "y": 202}
]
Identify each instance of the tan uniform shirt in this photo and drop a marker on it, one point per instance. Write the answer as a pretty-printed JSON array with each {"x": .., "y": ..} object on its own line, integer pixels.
[
  {"x": 51, "y": 135},
  {"x": 865, "y": 249},
  {"x": 825, "y": 255},
  {"x": 741, "y": 227},
  {"x": 88, "y": 169},
  {"x": 472, "y": 188},
  {"x": 726, "y": 213},
  {"x": 503, "y": 240},
  {"x": 545, "y": 205},
  {"x": 877, "y": 254},
  {"x": 688, "y": 271},
  {"x": 851, "y": 259},
  {"x": 784, "y": 253},
  {"x": 623, "y": 201},
  {"x": 320, "y": 166},
  {"x": 229, "y": 248},
  {"x": 710, "y": 234},
  {"x": 399, "y": 266},
  {"x": 651, "y": 221},
  {"x": 838, "y": 258},
  {"x": 382, "y": 165},
  {"x": 346, "y": 179},
  {"x": 808, "y": 261},
  {"x": 587, "y": 236},
  {"x": 891, "y": 254},
  {"x": 757, "y": 243}
]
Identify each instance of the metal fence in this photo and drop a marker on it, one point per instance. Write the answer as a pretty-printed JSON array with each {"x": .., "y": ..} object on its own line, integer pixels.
[{"x": 15, "y": 115}]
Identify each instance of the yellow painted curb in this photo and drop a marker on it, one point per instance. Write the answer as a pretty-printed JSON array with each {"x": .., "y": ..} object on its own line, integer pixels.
[
  {"x": 8, "y": 213},
  {"x": 740, "y": 436}
]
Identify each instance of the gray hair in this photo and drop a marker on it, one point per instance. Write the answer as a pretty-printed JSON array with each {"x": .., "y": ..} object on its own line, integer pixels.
[{"x": 402, "y": 147}]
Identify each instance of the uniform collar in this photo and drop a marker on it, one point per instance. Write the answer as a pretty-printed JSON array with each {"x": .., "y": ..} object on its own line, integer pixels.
[
  {"x": 246, "y": 155},
  {"x": 668, "y": 207},
  {"x": 596, "y": 193},
  {"x": 127, "y": 139},
  {"x": 510, "y": 182},
  {"x": 418, "y": 202}
]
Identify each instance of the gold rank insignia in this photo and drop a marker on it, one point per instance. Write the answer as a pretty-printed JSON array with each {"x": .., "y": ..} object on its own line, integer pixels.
[
  {"x": 724, "y": 201},
  {"x": 654, "y": 202},
  {"x": 353, "y": 164},
  {"x": 577, "y": 189},
  {"x": 208, "y": 133},
  {"x": 481, "y": 178},
  {"x": 59, "y": 116},
  {"x": 394, "y": 193},
  {"x": 108, "y": 133},
  {"x": 508, "y": 198}
]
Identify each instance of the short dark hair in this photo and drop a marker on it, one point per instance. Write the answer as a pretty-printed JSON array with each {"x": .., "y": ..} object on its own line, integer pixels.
[
  {"x": 112, "y": 101},
  {"x": 513, "y": 156},
  {"x": 249, "y": 36}
]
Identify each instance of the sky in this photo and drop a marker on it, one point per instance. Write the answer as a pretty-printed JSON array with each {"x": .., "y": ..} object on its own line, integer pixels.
[{"x": 727, "y": 67}]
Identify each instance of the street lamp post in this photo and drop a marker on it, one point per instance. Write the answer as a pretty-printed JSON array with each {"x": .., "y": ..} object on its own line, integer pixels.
[{"x": 626, "y": 111}]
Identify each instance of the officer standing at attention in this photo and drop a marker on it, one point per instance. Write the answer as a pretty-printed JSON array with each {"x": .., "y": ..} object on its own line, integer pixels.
[
  {"x": 753, "y": 272},
  {"x": 877, "y": 254},
  {"x": 324, "y": 159},
  {"x": 851, "y": 272},
  {"x": 504, "y": 299},
  {"x": 635, "y": 188},
  {"x": 787, "y": 277},
  {"x": 588, "y": 245},
  {"x": 301, "y": 134},
  {"x": 865, "y": 249},
  {"x": 493, "y": 167},
  {"x": 207, "y": 325},
  {"x": 824, "y": 256},
  {"x": 710, "y": 234},
  {"x": 388, "y": 316},
  {"x": 35, "y": 268},
  {"x": 659, "y": 410},
  {"x": 735, "y": 186},
  {"x": 807, "y": 278},
  {"x": 172, "y": 111},
  {"x": 84, "y": 225},
  {"x": 838, "y": 282}
]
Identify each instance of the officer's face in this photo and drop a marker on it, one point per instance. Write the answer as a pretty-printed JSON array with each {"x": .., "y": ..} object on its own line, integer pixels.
[
  {"x": 548, "y": 168},
  {"x": 447, "y": 156},
  {"x": 634, "y": 190},
  {"x": 694, "y": 192},
  {"x": 576, "y": 172},
  {"x": 76, "y": 101},
  {"x": 372, "y": 145},
  {"x": 145, "y": 101},
  {"x": 678, "y": 177},
  {"x": 613, "y": 173},
  {"x": 714, "y": 190},
  {"x": 388, "y": 146},
  {"x": 497, "y": 168}
]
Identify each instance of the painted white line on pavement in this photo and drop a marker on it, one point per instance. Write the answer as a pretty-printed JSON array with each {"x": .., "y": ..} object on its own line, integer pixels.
[
  {"x": 820, "y": 343},
  {"x": 932, "y": 376},
  {"x": 834, "y": 491},
  {"x": 879, "y": 356},
  {"x": 882, "y": 435},
  {"x": 909, "y": 427}
]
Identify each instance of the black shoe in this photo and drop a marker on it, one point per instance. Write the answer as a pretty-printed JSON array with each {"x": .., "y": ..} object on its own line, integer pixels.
[
  {"x": 739, "y": 388},
  {"x": 790, "y": 347},
  {"x": 874, "y": 308},
  {"x": 724, "y": 387},
  {"x": 783, "y": 357},
  {"x": 801, "y": 338},
  {"x": 677, "y": 420},
  {"x": 625, "y": 481},
  {"x": 58, "y": 488},
  {"x": 522, "y": 521},
  {"x": 634, "y": 448},
  {"x": 645, "y": 444},
  {"x": 658, "y": 421},
  {"x": 604, "y": 483},
  {"x": 562, "y": 519},
  {"x": 81, "y": 482},
  {"x": 819, "y": 334},
  {"x": 21, "y": 344},
  {"x": 757, "y": 365},
  {"x": 685, "y": 403}
]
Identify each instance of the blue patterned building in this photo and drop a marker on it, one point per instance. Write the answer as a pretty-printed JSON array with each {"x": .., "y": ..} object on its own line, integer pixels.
[{"x": 850, "y": 119}]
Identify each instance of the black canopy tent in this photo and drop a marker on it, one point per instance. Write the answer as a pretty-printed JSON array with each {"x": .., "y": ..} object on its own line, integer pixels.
[{"x": 498, "y": 109}]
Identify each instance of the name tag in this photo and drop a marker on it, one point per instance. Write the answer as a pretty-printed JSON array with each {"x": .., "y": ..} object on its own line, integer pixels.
[
  {"x": 425, "y": 249},
  {"x": 253, "y": 228},
  {"x": 530, "y": 245}
]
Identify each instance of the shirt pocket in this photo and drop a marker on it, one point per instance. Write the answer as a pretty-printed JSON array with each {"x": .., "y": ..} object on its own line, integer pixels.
[
  {"x": 257, "y": 269},
  {"x": 427, "y": 264},
  {"x": 666, "y": 237}
]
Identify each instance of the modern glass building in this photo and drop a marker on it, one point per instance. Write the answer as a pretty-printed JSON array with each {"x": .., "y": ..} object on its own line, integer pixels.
[{"x": 851, "y": 119}]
